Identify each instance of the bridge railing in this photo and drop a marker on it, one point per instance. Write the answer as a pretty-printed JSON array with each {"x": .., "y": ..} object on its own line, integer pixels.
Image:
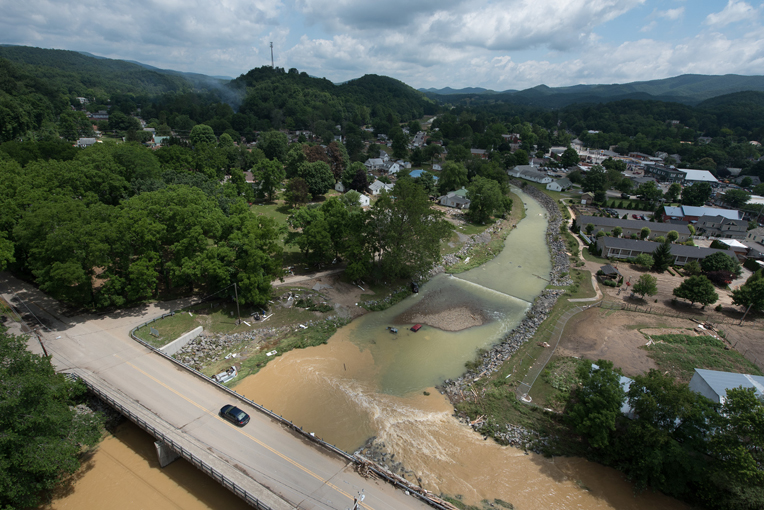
[
  {"x": 392, "y": 479},
  {"x": 174, "y": 446}
]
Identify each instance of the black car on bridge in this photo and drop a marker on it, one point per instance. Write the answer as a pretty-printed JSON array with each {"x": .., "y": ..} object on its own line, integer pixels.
[{"x": 234, "y": 415}]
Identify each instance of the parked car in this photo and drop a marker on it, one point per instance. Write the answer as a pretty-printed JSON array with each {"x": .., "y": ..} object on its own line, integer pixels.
[
  {"x": 634, "y": 216},
  {"x": 625, "y": 195},
  {"x": 234, "y": 415}
]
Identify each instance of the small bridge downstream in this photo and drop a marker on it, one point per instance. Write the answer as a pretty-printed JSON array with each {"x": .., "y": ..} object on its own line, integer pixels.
[{"x": 269, "y": 463}]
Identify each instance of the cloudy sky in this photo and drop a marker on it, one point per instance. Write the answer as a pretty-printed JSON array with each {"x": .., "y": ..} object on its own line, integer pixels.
[{"x": 496, "y": 44}]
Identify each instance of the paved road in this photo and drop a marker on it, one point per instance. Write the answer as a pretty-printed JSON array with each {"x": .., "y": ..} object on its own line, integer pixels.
[{"x": 286, "y": 470}]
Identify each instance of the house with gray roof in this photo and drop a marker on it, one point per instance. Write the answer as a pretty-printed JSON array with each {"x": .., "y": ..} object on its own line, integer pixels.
[
  {"x": 530, "y": 173},
  {"x": 714, "y": 384},
  {"x": 559, "y": 184},
  {"x": 457, "y": 199},
  {"x": 378, "y": 187},
  {"x": 85, "y": 142},
  {"x": 719, "y": 226},
  {"x": 619, "y": 248},
  {"x": 630, "y": 227}
]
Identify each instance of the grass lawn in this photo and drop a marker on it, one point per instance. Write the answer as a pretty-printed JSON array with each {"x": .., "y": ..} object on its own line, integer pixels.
[
  {"x": 593, "y": 258},
  {"x": 680, "y": 355}
]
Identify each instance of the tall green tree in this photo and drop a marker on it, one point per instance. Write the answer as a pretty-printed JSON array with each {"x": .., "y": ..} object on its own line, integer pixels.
[
  {"x": 405, "y": 232},
  {"x": 697, "y": 289},
  {"x": 662, "y": 257},
  {"x": 736, "y": 198},
  {"x": 42, "y": 434},
  {"x": 597, "y": 402},
  {"x": 646, "y": 285},
  {"x": 202, "y": 134},
  {"x": 273, "y": 144},
  {"x": 452, "y": 177},
  {"x": 486, "y": 200},
  {"x": 318, "y": 176},
  {"x": 697, "y": 194},
  {"x": 269, "y": 174}
]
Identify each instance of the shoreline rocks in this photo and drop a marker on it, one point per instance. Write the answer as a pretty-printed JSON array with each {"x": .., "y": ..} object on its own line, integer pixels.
[{"x": 542, "y": 306}]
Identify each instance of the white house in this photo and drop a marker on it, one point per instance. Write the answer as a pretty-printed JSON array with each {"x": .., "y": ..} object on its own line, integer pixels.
[
  {"x": 339, "y": 187},
  {"x": 364, "y": 200},
  {"x": 378, "y": 187},
  {"x": 559, "y": 184},
  {"x": 530, "y": 173},
  {"x": 374, "y": 164}
]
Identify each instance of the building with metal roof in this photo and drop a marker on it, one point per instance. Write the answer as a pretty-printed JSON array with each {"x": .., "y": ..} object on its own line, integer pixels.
[
  {"x": 714, "y": 384},
  {"x": 698, "y": 176},
  {"x": 690, "y": 213},
  {"x": 617, "y": 248},
  {"x": 629, "y": 227}
]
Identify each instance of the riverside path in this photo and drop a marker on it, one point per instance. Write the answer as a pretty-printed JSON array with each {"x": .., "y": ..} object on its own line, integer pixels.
[{"x": 265, "y": 459}]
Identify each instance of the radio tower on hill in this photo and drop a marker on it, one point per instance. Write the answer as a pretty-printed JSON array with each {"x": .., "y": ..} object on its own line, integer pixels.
[{"x": 272, "y": 66}]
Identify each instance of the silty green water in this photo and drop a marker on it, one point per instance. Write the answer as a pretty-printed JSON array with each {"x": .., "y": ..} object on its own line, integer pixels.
[{"x": 503, "y": 288}]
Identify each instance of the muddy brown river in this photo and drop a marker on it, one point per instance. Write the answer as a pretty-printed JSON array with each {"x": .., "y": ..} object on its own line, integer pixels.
[{"x": 367, "y": 382}]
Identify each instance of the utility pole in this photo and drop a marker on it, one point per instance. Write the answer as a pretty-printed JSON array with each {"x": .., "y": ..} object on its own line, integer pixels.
[
  {"x": 746, "y": 313},
  {"x": 272, "y": 66},
  {"x": 236, "y": 293}
]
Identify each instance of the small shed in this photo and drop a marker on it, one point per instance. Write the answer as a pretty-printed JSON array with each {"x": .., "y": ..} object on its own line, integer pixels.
[
  {"x": 610, "y": 272},
  {"x": 586, "y": 198}
]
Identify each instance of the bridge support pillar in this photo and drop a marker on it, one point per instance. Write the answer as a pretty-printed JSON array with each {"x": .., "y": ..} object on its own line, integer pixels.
[{"x": 165, "y": 454}]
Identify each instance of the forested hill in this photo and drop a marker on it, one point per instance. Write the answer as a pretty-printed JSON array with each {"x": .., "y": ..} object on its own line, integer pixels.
[
  {"x": 688, "y": 89},
  {"x": 298, "y": 101},
  {"x": 71, "y": 72}
]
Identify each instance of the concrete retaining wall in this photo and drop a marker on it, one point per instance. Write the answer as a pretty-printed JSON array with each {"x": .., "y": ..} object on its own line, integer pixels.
[{"x": 178, "y": 344}]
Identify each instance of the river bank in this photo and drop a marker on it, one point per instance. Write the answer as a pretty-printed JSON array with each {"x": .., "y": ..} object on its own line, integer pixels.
[{"x": 492, "y": 359}]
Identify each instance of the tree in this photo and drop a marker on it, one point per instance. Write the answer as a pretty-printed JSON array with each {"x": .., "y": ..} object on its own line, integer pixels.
[
  {"x": 569, "y": 158},
  {"x": 625, "y": 185},
  {"x": 589, "y": 228},
  {"x": 273, "y": 144},
  {"x": 692, "y": 267},
  {"x": 318, "y": 176},
  {"x": 595, "y": 180},
  {"x": 644, "y": 233},
  {"x": 662, "y": 257},
  {"x": 452, "y": 177},
  {"x": 297, "y": 192},
  {"x": 405, "y": 233},
  {"x": 42, "y": 435},
  {"x": 673, "y": 192},
  {"x": 736, "y": 197},
  {"x": 617, "y": 231},
  {"x": 697, "y": 194},
  {"x": 646, "y": 285},
  {"x": 736, "y": 447},
  {"x": 672, "y": 236},
  {"x": 294, "y": 159},
  {"x": 485, "y": 200},
  {"x": 596, "y": 403},
  {"x": 649, "y": 191},
  {"x": 746, "y": 181},
  {"x": 697, "y": 289},
  {"x": 202, "y": 133},
  {"x": 720, "y": 261},
  {"x": 269, "y": 175},
  {"x": 644, "y": 260},
  {"x": 750, "y": 294}
]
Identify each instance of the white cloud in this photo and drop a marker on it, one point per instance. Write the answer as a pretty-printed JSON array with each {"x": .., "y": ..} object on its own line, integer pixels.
[
  {"x": 735, "y": 11},
  {"x": 672, "y": 14}
]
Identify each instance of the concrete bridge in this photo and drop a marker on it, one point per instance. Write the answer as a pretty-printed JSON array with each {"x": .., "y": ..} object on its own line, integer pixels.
[{"x": 269, "y": 463}]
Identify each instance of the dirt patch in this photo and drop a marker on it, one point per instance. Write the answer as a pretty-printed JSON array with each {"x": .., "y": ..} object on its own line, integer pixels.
[
  {"x": 453, "y": 315},
  {"x": 615, "y": 336},
  {"x": 342, "y": 295},
  {"x": 747, "y": 341}
]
